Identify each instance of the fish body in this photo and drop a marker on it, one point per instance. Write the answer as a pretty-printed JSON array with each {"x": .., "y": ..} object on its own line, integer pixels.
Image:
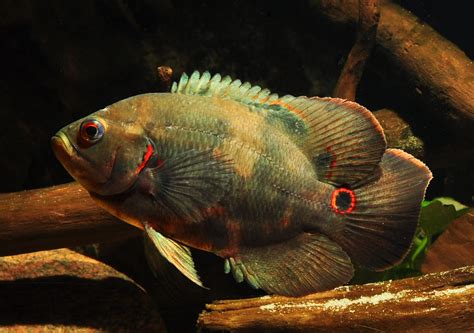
[
  {"x": 271, "y": 188},
  {"x": 289, "y": 190}
]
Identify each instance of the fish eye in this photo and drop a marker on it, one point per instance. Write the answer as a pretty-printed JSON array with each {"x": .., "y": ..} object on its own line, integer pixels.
[{"x": 91, "y": 131}]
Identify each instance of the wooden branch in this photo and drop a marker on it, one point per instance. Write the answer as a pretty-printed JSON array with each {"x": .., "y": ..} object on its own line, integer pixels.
[
  {"x": 60, "y": 216},
  {"x": 437, "y": 71},
  {"x": 55, "y": 217},
  {"x": 433, "y": 302},
  {"x": 369, "y": 15}
]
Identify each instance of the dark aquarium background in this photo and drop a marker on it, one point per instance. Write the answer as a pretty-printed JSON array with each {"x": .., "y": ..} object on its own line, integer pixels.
[
  {"x": 65, "y": 59},
  {"x": 61, "y": 60}
]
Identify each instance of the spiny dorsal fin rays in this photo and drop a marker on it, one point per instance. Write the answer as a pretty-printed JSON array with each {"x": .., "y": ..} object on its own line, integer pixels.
[
  {"x": 193, "y": 82},
  {"x": 218, "y": 86},
  {"x": 343, "y": 139},
  {"x": 225, "y": 83},
  {"x": 202, "y": 83},
  {"x": 215, "y": 80}
]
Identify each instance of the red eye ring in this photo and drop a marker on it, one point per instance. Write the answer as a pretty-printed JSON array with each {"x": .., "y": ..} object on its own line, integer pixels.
[{"x": 91, "y": 131}]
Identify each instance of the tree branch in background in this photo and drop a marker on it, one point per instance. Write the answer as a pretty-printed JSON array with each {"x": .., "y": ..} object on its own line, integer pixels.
[
  {"x": 55, "y": 217},
  {"x": 438, "y": 73},
  {"x": 369, "y": 15},
  {"x": 433, "y": 302}
]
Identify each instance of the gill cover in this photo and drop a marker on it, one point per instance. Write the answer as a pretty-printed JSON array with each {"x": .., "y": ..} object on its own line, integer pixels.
[{"x": 103, "y": 151}]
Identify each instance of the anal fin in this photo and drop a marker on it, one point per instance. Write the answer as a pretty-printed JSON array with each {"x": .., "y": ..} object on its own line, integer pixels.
[
  {"x": 177, "y": 254},
  {"x": 302, "y": 265}
]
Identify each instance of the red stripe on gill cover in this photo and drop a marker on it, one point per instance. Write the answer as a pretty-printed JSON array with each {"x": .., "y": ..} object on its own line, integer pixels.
[
  {"x": 333, "y": 163},
  {"x": 340, "y": 203},
  {"x": 146, "y": 158}
]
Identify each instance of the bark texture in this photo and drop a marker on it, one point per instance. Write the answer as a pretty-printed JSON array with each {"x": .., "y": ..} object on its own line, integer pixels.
[
  {"x": 436, "y": 70},
  {"x": 431, "y": 303},
  {"x": 54, "y": 217},
  {"x": 351, "y": 74}
]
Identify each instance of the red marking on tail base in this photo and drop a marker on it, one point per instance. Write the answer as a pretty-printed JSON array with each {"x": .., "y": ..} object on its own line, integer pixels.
[{"x": 335, "y": 195}]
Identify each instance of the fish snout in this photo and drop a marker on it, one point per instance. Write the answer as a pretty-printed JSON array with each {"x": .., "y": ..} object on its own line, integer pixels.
[{"x": 62, "y": 146}]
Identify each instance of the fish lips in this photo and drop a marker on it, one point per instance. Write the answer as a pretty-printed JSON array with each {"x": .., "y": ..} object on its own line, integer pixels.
[
  {"x": 62, "y": 147},
  {"x": 75, "y": 164}
]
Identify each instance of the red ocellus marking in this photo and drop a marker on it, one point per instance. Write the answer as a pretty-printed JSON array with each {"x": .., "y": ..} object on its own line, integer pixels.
[
  {"x": 146, "y": 158},
  {"x": 334, "y": 196}
]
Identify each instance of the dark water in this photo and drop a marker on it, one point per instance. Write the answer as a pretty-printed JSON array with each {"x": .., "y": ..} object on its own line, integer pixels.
[{"x": 62, "y": 60}]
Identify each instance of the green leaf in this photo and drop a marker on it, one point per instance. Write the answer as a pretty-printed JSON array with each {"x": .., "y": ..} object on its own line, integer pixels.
[
  {"x": 437, "y": 214},
  {"x": 459, "y": 207},
  {"x": 425, "y": 203}
]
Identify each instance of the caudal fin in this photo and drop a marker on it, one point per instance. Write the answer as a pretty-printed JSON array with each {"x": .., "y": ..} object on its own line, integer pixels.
[{"x": 381, "y": 217}]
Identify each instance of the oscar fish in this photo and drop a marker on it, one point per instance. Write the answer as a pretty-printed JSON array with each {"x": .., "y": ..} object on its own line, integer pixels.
[{"x": 290, "y": 191}]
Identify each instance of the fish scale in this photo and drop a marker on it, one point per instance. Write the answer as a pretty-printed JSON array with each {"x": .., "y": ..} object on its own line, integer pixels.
[
  {"x": 271, "y": 175},
  {"x": 289, "y": 191}
]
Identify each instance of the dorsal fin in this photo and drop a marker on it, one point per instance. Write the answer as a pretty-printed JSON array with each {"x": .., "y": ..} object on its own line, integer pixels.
[
  {"x": 218, "y": 86},
  {"x": 258, "y": 99},
  {"x": 343, "y": 139}
]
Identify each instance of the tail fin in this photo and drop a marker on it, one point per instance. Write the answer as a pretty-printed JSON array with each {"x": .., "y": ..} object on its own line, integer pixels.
[{"x": 381, "y": 217}]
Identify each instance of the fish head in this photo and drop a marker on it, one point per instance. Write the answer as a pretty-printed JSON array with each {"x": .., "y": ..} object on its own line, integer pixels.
[{"x": 105, "y": 151}]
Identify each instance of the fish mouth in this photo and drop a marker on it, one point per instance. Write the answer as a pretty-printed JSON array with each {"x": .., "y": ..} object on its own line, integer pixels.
[
  {"x": 62, "y": 146},
  {"x": 77, "y": 164}
]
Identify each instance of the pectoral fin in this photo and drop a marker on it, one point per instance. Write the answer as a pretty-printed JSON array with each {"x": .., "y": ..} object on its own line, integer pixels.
[
  {"x": 177, "y": 254},
  {"x": 302, "y": 265},
  {"x": 186, "y": 183}
]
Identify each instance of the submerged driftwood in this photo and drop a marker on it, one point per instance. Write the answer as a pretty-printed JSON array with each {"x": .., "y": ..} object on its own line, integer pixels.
[
  {"x": 351, "y": 74},
  {"x": 431, "y": 303},
  {"x": 436, "y": 70},
  {"x": 55, "y": 217},
  {"x": 65, "y": 215}
]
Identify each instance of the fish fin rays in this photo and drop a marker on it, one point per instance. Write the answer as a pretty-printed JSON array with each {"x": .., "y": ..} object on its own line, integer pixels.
[
  {"x": 225, "y": 87},
  {"x": 257, "y": 99},
  {"x": 177, "y": 254},
  {"x": 378, "y": 232},
  {"x": 188, "y": 183},
  {"x": 343, "y": 139},
  {"x": 305, "y": 264}
]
